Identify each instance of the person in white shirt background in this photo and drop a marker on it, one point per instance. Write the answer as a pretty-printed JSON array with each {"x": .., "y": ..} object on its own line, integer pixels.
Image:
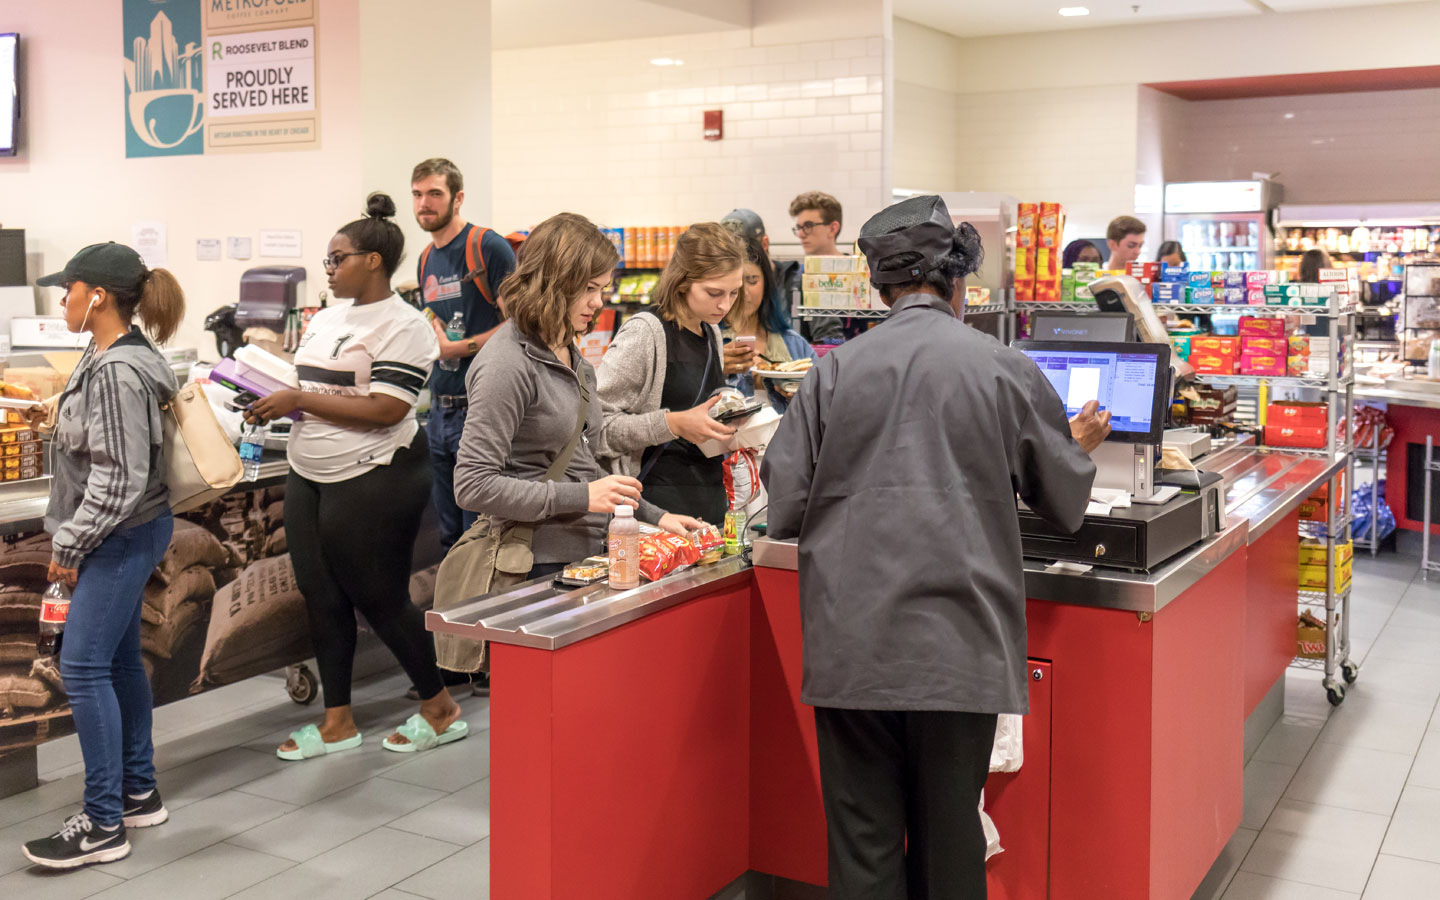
[{"x": 359, "y": 482}]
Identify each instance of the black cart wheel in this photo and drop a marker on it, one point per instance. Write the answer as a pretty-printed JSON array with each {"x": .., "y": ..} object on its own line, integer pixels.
[
  {"x": 1349, "y": 671},
  {"x": 1336, "y": 695},
  {"x": 300, "y": 684}
]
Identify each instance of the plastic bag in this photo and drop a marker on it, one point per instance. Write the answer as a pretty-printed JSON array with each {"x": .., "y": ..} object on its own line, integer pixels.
[
  {"x": 1360, "y": 524},
  {"x": 665, "y": 554},
  {"x": 1008, "y": 752}
]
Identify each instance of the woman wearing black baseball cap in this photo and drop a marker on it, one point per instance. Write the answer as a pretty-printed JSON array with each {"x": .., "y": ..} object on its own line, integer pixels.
[{"x": 109, "y": 518}]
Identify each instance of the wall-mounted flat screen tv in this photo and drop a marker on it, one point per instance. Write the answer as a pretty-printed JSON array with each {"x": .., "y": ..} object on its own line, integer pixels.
[{"x": 9, "y": 92}]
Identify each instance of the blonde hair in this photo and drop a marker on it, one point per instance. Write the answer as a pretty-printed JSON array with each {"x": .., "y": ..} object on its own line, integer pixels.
[
  {"x": 157, "y": 300},
  {"x": 561, "y": 256},
  {"x": 705, "y": 250}
]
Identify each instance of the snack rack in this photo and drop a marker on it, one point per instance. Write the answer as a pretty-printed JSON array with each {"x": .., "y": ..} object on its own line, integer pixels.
[
  {"x": 1375, "y": 456},
  {"x": 1432, "y": 465}
]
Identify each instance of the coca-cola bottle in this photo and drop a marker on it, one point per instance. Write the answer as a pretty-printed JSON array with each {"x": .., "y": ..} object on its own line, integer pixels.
[{"x": 54, "y": 607}]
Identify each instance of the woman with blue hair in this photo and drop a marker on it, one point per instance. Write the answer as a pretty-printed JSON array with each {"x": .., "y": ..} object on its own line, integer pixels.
[{"x": 760, "y": 315}]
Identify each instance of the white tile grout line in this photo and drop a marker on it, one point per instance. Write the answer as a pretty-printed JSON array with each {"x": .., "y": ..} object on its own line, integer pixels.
[{"x": 1238, "y": 868}]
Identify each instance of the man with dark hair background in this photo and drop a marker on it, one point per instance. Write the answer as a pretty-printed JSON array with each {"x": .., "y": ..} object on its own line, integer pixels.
[
  {"x": 1125, "y": 236},
  {"x": 897, "y": 467}
]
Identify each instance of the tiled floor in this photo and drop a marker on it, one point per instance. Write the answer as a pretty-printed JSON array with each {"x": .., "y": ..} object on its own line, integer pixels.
[
  {"x": 1344, "y": 804},
  {"x": 1340, "y": 804}
]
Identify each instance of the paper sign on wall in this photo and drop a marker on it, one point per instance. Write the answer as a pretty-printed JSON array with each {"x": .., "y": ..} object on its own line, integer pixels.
[
  {"x": 148, "y": 239},
  {"x": 238, "y": 247},
  {"x": 207, "y": 249},
  {"x": 283, "y": 243}
]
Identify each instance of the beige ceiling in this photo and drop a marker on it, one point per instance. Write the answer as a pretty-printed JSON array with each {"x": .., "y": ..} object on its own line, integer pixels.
[{"x": 977, "y": 18}]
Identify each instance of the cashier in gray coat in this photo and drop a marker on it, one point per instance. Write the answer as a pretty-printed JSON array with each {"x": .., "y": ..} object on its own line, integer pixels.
[{"x": 897, "y": 467}]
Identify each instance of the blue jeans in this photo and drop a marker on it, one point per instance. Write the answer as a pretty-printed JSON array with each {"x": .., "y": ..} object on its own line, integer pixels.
[
  {"x": 443, "y": 430},
  {"x": 100, "y": 662}
]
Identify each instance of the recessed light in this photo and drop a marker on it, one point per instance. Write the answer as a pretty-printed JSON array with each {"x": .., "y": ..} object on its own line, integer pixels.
[
  {"x": 666, "y": 61},
  {"x": 1289, "y": 115},
  {"x": 1074, "y": 11}
]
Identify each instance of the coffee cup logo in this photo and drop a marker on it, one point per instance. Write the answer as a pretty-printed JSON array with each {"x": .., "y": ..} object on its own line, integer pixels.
[{"x": 166, "y": 102}]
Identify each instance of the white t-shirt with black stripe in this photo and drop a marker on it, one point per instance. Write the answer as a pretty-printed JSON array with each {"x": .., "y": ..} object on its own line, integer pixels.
[{"x": 385, "y": 347}]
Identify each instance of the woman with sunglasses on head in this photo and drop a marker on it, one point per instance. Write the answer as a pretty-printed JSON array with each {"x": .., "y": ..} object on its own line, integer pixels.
[
  {"x": 532, "y": 380},
  {"x": 109, "y": 518},
  {"x": 761, "y": 318},
  {"x": 359, "y": 483}
]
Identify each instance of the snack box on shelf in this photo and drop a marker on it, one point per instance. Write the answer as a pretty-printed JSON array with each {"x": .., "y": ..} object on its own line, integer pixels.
[
  {"x": 1221, "y": 345},
  {"x": 1169, "y": 292},
  {"x": 1313, "y": 552},
  {"x": 1180, "y": 343},
  {"x": 1145, "y": 272},
  {"x": 1199, "y": 295},
  {"x": 1256, "y": 344},
  {"x": 1230, "y": 296},
  {"x": 1297, "y": 366},
  {"x": 1210, "y": 363},
  {"x": 1175, "y": 274},
  {"x": 1298, "y": 413},
  {"x": 1261, "y": 326},
  {"x": 1299, "y": 344},
  {"x": 1026, "y": 238},
  {"x": 1202, "y": 279},
  {"x": 1268, "y": 364},
  {"x": 1208, "y": 397},
  {"x": 1299, "y": 436},
  {"x": 824, "y": 265},
  {"x": 1312, "y": 578}
]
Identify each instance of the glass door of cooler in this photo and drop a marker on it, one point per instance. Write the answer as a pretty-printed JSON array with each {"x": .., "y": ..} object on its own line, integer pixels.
[{"x": 1221, "y": 242}]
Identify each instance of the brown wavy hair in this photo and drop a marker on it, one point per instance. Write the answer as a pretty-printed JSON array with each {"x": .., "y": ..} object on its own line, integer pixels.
[
  {"x": 706, "y": 250},
  {"x": 562, "y": 255}
]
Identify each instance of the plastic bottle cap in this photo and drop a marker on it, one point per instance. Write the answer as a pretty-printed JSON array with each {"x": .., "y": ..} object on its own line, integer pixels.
[{"x": 624, "y": 512}]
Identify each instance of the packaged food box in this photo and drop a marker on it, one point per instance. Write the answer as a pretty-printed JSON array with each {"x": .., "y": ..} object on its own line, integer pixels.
[
  {"x": 1233, "y": 296},
  {"x": 1257, "y": 279},
  {"x": 1332, "y": 275},
  {"x": 831, "y": 282},
  {"x": 1086, "y": 272},
  {"x": 1254, "y": 297},
  {"x": 1202, "y": 279},
  {"x": 1312, "y": 577},
  {"x": 828, "y": 299},
  {"x": 1313, "y": 552},
  {"x": 1299, "y": 344},
  {"x": 1026, "y": 238},
  {"x": 1180, "y": 343},
  {"x": 1200, "y": 295},
  {"x": 1214, "y": 397},
  {"x": 1145, "y": 272},
  {"x": 1261, "y": 326},
  {"x": 12, "y": 434},
  {"x": 1297, "y": 412},
  {"x": 1270, "y": 364},
  {"x": 821, "y": 265},
  {"x": 1254, "y": 344},
  {"x": 1050, "y": 228},
  {"x": 1297, "y": 366},
  {"x": 1211, "y": 364},
  {"x": 1067, "y": 285},
  {"x": 1169, "y": 292},
  {"x": 1175, "y": 274},
  {"x": 1295, "y": 436},
  {"x": 1082, "y": 292},
  {"x": 1307, "y": 291},
  {"x": 42, "y": 381},
  {"x": 1223, "y": 345},
  {"x": 1231, "y": 280}
]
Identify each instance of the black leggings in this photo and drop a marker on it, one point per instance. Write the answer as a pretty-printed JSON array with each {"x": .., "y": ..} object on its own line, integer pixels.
[{"x": 351, "y": 543}]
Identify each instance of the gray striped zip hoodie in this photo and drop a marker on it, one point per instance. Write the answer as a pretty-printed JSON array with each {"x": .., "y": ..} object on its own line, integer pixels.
[{"x": 109, "y": 472}]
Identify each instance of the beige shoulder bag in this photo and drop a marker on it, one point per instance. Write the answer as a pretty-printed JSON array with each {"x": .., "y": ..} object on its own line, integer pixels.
[{"x": 200, "y": 462}]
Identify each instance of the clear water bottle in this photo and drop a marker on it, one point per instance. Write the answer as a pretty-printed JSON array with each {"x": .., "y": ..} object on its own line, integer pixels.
[
  {"x": 455, "y": 331},
  {"x": 54, "y": 609},
  {"x": 252, "y": 444}
]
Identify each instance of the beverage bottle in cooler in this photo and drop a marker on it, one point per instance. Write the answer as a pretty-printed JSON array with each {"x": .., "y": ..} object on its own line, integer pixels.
[
  {"x": 252, "y": 443},
  {"x": 623, "y": 543},
  {"x": 455, "y": 331},
  {"x": 54, "y": 608}
]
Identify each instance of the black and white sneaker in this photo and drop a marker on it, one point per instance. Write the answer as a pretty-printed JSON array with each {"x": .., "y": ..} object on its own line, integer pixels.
[
  {"x": 144, "y": 811},
  {"x": 79, "y": 842}
]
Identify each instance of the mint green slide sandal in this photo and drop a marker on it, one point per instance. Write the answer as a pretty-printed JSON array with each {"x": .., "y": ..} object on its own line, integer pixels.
[
  {"x": 422, "y": 737},
  {"x": 309, "y": 744}
]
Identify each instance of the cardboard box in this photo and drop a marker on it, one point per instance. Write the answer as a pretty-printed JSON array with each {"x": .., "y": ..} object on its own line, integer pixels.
[
  {"x": 1261, "y": 326},
  {"x": 1255, "y": 344},
  {"x": 1026, "y": 244},
  {"x": 1180, "y": 343},
  {"x": 1169, "y": 292},
  {"x": 1299, "y": 344},
  {"x": 828, "y": 300},
  {"x": 1223, "y": 345},
  {"x": 1202, "y": 279},
  {"x": 1312, "y": 578},
  {"x": 1311, "y": 639},
  {"x": 830, "y": 282},
  {"x": 1313, "y": 553},
  {"x": 1231, "y": 296},
  {"x": 820, "y": 265},
  {"x": 1200, "y": 295},
  {"x": 1175, "y": 274},
  {"x": 1050, "y": 230},
  {"x": 1270, "y": 364},
  {"x": 1313, "y": 415},
  {"x": 1257, "y": 279},
  {"x": 1297, "y": 366},
  {"x": 1145, "y": 272},
  {"x": 12, "y": 434},
  {"x": 1230, "y": 280},
  {"x": 1295, "y": 436},
  {"x": 1211, "y": 364}
]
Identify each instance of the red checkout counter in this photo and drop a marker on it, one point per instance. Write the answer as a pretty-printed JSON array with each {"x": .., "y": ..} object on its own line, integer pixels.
[{"x": 652, "y": 743}]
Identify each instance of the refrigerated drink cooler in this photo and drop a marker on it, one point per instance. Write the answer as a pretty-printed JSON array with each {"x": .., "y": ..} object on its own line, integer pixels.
[{"x": 1224, "y": 226}]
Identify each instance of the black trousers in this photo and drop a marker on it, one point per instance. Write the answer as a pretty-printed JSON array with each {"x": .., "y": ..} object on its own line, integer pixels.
[
  {"x": 351, "y": 543},
  {"x": 889, "y": 776}
]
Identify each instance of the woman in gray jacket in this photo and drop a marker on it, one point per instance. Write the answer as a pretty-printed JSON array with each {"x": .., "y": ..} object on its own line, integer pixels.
[
  {"x": 109, "y": 518},
  {"x": 525, "y": 388},
  {"x": 657, "y": 380}
]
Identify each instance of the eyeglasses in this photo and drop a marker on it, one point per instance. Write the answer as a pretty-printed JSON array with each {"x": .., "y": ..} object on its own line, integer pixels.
[
  {"x": 333, "y": 261},
  {"x": 804, "y": 228}
]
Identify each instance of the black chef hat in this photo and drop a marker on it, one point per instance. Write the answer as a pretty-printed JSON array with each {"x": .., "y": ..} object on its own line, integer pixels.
[{"x": 918, "y": 225}]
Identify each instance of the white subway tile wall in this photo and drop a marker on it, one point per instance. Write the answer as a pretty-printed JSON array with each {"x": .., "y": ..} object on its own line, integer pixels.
[
  {"x": 597, "y": 129},
  {"x": 926, "y": 132},
  {"x": 1339, "y": 148}
]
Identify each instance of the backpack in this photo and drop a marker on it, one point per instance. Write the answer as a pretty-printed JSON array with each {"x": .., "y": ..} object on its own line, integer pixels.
[{"x": 474, "y": 263}]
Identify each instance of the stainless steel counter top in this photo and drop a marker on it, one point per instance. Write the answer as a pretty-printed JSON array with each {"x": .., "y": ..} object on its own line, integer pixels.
[
  {"x": 538, "y": 614},
  {"x": 1426, "y": 399},
  {"x": 1262, "y": 487}
]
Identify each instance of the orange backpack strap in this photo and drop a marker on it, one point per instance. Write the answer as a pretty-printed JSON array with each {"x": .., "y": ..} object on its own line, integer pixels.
[{"x": 475, "y": 262}]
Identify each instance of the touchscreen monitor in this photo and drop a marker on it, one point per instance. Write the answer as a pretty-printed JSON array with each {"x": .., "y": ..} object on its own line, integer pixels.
[{"x": 1131, "y": 381}]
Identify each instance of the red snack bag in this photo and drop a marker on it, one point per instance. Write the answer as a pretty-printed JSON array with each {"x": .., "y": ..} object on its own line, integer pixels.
[{"x": 664, "y": 554}]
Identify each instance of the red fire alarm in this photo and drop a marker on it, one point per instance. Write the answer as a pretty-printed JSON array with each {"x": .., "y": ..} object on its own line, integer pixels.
[{"x": 714, "y": 124}]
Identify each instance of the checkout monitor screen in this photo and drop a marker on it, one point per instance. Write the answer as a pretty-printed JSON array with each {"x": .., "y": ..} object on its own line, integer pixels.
[{"x": 1131, "y": 381}]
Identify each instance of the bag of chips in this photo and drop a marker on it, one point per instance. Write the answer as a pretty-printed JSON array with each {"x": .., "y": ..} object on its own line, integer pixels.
[{"x": 665, "y": 554}]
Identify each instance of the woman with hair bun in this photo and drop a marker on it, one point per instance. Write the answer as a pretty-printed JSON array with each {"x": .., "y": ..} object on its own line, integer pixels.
[{"x": 359, "y": 482}]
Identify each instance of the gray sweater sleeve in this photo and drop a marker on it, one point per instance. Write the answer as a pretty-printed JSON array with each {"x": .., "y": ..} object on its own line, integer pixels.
[
  {"x": 485, "y": 445},
  {"x": 632, "y": 423},
  {"x": 118, "y": 424}
]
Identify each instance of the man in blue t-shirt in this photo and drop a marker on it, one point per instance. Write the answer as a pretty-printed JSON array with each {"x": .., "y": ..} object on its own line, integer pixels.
[{"x": 460, "y": 271}]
